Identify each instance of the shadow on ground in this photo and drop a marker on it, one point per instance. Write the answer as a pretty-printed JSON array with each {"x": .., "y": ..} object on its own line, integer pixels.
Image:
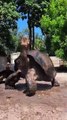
[
  {"x": 61, "y": 69},
  {"x": 40, "y": 86}
]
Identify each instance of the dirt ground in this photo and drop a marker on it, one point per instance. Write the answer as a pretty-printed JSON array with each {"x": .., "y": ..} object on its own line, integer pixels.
[{"x": 47, "y": 104}]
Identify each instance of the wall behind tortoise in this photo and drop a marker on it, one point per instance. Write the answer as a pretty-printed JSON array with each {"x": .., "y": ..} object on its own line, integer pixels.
[
  {"x": 14, "y": 56},
  {"x": 56, "y": 61},
  {"x": 3, "y": 61}
]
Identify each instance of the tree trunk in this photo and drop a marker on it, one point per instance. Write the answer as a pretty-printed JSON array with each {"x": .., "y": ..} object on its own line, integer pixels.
[
  {"x": 29, "y": 26},
  {"x": 33, "y": 37}
]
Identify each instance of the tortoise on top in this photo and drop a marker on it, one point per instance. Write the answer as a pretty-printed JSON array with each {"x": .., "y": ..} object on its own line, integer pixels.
[{"x": 34, "y": 65}]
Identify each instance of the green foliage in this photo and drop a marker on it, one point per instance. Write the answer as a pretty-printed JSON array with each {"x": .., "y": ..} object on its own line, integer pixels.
[
  {"x": 60, "y": 53},
  {"x": 40, "y": 44},
  {"x": 34, "y": 8},
  {"x": 33, "y": 11},
  {"x": 54, "y": 23},
  {"x": 8, "y": 17}
]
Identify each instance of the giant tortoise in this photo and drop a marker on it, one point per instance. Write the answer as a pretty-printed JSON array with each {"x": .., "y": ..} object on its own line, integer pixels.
[
  {"x": 34, "y": 65},
  {"x": 40, "y": 68}
]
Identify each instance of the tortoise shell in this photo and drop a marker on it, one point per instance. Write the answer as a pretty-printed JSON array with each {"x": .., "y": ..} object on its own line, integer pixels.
[{"x": 44, "y": 61}]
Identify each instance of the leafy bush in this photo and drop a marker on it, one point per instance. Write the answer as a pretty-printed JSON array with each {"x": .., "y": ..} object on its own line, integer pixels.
[{"x": 40, "y": 45}]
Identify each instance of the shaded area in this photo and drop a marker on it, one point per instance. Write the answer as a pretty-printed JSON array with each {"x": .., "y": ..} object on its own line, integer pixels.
[
  {"x": 44, "y": 86},
  {"x": 61, "y": 69},
  {"x": 20, "y": 86},
  {"x": 40, "y": 86}
]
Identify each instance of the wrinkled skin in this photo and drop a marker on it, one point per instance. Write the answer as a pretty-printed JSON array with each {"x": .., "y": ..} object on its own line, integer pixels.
[
  {"x": 12, "y": 79},
  {"x": 21, "y": 63}
]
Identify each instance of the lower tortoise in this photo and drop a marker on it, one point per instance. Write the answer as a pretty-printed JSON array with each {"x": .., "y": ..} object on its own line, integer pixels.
[{"x": 40, "y": 68}]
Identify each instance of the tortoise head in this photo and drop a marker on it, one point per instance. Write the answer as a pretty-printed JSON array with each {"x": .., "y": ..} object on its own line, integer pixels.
[{"x": 25, "y": 42}]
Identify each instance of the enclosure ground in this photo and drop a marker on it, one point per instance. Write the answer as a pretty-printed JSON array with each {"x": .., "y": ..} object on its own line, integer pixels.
[{"x": 47, "y": 104}]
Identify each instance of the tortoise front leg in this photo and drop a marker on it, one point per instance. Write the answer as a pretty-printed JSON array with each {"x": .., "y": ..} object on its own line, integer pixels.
[
  {"x": 1, "y": 78},
  {"x": 12, "y": 79}
]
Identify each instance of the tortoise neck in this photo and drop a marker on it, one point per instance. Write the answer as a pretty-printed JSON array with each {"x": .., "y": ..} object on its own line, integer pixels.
[{"x": 24, "y": 51}]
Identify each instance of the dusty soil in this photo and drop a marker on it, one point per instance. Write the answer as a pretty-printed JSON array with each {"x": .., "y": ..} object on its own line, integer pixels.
[{"x": 47, "y": 104}]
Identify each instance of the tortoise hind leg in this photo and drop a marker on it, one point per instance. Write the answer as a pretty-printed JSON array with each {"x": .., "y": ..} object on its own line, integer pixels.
[
  {"x": 52, "y": 82},
  {"x": 55, "y": 83},
  {"x": 1, "y": 79}
]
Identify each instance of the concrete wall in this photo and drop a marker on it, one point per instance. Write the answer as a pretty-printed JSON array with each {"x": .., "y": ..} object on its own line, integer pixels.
[
  {"x": 14, "y": 56},
  {"x": 57, "y": 61},
  {"x": 3, "y": 61}
]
